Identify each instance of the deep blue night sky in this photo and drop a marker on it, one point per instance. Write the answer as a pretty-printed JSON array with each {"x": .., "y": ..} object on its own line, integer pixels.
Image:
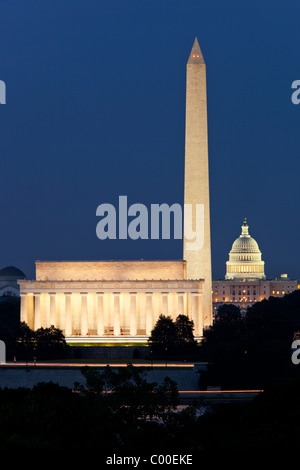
[{"x": 96, "y": 109}]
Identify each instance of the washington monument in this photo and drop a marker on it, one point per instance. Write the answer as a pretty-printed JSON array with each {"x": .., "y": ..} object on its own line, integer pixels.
[
  {"x": 196, "y": 181},
  {"x": 121, "y": 301}
]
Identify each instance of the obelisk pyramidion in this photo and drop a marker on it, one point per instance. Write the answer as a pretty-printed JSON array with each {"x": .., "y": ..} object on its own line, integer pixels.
[{"x": 196, "y": 181}]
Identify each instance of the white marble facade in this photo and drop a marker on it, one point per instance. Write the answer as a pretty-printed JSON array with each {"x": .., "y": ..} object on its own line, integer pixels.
[{"x": 122, "y": 310}]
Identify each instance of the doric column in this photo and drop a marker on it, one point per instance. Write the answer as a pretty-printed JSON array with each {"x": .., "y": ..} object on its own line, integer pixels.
[
  {"x": 24, "y": 308},
  {"x": 164, "y": 306},
  {"x": 37, "y": 310},
  {"x": 52, "y": 308},
  {"x": 100, "y": 314},
  {"x": 84, "y": 317},
  {"x": 132, "y": 313},
  {"x": 201, "y": 320},
  {"x": 196, "y": 313},
  {"x": 117, "y": 314},
  {"x": 149, "y": 316},
  {"x": 30, "y": 310},
  {"x": 68, "y": 314},
  {"x": 180, "y": 299}
]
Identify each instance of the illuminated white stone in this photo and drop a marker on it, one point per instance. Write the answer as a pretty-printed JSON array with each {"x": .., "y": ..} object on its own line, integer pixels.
[
  {"x": 245, "y": 258},
  {"x": 196, "y": 189}
]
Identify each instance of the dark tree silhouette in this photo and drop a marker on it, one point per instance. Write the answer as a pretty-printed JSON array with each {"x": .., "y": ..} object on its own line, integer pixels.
[
  {"x": 173, "y": 340},
  {"x": 44, "y": 343},
  {"x": 253, "y": 350},
  {"x": 162, "y": 341},
  {"x": 186, "y": 346},
  {"x": 9, "y": 323}
]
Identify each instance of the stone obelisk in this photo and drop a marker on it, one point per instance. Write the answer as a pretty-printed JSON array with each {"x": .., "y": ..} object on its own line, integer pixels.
[{"x": 196, "y": 181}]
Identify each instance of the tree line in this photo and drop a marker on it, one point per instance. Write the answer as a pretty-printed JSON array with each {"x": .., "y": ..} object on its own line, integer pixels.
[
  {"x": 23, "y": 343},
  {"x": 243, "y": 351},
  {"x": 252, "y": 350},
  {"x": 139, "y": 417}
]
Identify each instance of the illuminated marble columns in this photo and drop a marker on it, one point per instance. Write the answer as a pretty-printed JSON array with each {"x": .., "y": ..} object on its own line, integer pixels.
[
  {"x": 180, "y": 303},
  {"x": 165, "y": 303},
  {"x": 117, "y": 329},
  {"x": 24, "y": 308},
  {"x": 30, "y": 310},
  {"x": 27, "y": 310},
  {"x": 68, "y": 314},
  {"x": 126, "y": 311},
  {"x": 84, "y": 316},
  {"x": 100, "y": 314},
  {"x": 52, "y": 308},
  {"x": 132, "y": 314},
  {"x": 37, "y": 311},
  {"x": 149, "y": 315},
  {"x": 196, "y": 313}
]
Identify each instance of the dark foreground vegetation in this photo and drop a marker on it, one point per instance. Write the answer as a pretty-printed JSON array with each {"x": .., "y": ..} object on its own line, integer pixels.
[
  {"x": 140, "y": 418},
  {"x": 253, "y": 350},
  {"x": 173, "y": 339},
  {"x": 246, "y": 351},
  {"x": 23, "y": 343}
]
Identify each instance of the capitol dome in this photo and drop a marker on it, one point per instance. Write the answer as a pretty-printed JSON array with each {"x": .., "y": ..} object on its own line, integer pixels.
[
  {"x": 11, "y": 272},
  {"x": 9, "y": 281},
  {"x": 245, "y": 258}
]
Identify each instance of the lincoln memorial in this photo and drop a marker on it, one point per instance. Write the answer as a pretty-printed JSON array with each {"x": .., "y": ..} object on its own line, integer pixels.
[{"x": 109, "y": 300}]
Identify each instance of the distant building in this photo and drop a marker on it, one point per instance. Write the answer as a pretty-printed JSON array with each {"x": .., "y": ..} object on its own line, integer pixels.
[
  {"x": 245, "y": 281},
  {"x": 9, "y": 286}
]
